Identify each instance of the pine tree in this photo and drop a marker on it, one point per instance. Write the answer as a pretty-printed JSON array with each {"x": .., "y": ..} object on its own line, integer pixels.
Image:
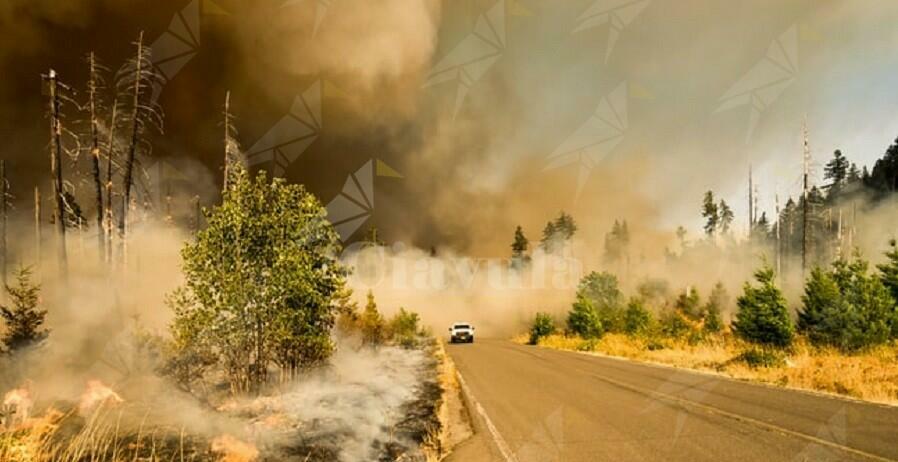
[
  {"x": 637, "y": 319},
  {"x": 726, "y": 217},
  {"x": 763, "y": 316},
  {"x": 836, "y": 170},
  {"x": 565, "y": 226},
  {"x": 710, "y": 213},
  {"x": 548, "y": 242},
  {"x": 712, "y": 310},
  {"x": 689, "y": 303},
  {"x": 24, "y": 320},
  {"x": 519, "y": 248},
  {"x": 372, "y": 323}
]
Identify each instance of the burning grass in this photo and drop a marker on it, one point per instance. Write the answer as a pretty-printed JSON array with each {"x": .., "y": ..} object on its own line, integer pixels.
[{"x": 870, "y": 376}]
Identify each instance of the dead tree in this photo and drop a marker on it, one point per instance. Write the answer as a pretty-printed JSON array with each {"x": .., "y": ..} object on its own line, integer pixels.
[
  {"x": 136, "y": 80},
  {"x": 56, "y": 165},
  {"x": 806, "y": 162},
  {"x": 37, "y": 224},
  {"x": 4, "y": 191},
  {"x": 93, "y": 86},
  {"x": 109, "y": 225}
]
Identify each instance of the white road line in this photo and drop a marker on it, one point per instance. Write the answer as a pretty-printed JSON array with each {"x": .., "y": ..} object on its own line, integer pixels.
[{"x": 507, "y": 454}]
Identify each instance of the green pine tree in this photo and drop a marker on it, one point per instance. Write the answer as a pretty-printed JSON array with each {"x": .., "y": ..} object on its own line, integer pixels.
[
  {"x": 717, "y": 301},
  {"x": 710, "y": 213},
  {"x": 23, "y": 318},
  {"x": 762, "y": 315},
  {"x": 519, "y": 248}
]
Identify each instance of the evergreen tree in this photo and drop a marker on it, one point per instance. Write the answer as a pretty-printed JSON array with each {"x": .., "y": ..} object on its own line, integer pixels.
[
  {"x": 726, "y": 217},
  {"x": 836, "y": 171},
  {"x": 372, "y": 323},
  {"x": 23, "y": 319},
  {"x": 689, "y": 303},
  {"x": 617, "y": 242},
  {"x": 884, "y": 177},
  {"x": 712, "y": 310},
  {"x": 847, "y": 307},
  {"x": 543, "y": 326},
  {"x": 549, "y": 240},
  {"x": 565, "y": 226},
  {"x": 583, "y": 319},
  {"x": 519, "y": 248},
  {"x": 762, "y": 315},
  {"x": 710, "y": 213}
]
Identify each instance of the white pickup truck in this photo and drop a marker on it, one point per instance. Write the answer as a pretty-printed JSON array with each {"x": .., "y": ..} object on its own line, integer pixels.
[{"x": 461, "y": 332}]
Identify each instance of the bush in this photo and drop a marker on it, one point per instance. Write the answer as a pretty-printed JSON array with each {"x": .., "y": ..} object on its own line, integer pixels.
[
  {"x": 716, "y": 302},
  {"x": 583, "y": 320},
  {"x": 637, "y": 319},
  {"x": 763, "y": 316},
  {"x": 761, "y": 357},
  {"x": 674, "y": 324},
  {"x": 846, "y": 307},
  {"x": 603, "y": 293},
  {"x": 404, "y": 328},
  {"x": 543, "y": 325}
]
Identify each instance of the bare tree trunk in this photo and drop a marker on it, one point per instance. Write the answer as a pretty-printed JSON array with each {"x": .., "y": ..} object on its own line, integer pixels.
[
  {"x": 109, "y": 218},
  {"x": 806, "y": 160},
  {"x": 37, "y": 224},
  {"x": 135, "y": 138},
  {"x": 95, "y": 154},
  {"x": 4, "y": 252},
  {"x": 227, "y": 140},
  {"x": 56, "y": 169}
]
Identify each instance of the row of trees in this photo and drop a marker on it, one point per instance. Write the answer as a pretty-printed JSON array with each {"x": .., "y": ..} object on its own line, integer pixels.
[
  {"x": 374, "y": 329},
  {"x": 556, "y": 234},
  {"x": 845, "y": 306}
]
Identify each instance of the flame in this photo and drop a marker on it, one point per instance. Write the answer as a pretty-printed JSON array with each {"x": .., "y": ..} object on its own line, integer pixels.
[
  {"x": 17, "y": 403},
  {"x": 234, "y": 450},
  {"x": 97, "y": 394}
]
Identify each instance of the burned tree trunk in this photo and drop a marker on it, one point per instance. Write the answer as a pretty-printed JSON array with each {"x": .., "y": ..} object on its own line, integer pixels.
[
  {"x": 135, "y": 135},
  {"x": 110, "y": 154},
  {"x": 56, "y": 167},
  {"x": 37, "y": 224},
  {"x": 4, "y": 252},
  {"x": 95, "y": 153}
]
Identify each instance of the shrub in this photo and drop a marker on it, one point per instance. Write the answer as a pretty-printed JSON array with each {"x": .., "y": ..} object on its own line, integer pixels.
[
  {"x": 689, "y": 303},
  {"x": 761, "y": 357},
  {"x": 371, "y": 323},
  {"x": 404, "y": 328},
  {"x": 674, "y": 324},
  {"x": 583, "y": 320},
  {"x": 763, "y": 316},
  {"x": 846, "y": 307},
  {"x": 543, "y": 325},
  {"x": 716, "y": 301},
  {"x": 603, "y": 293},
  {"x": 637, "y": 319}
]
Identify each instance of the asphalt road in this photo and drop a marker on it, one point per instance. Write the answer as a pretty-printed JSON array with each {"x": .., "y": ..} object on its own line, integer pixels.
[{"x": 534, "y": 404}]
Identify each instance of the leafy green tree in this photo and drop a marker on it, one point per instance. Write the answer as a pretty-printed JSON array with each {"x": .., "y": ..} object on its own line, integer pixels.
[
  {"x": 261, "y": 282},
  {"x": 543, "y": 326},
  {"x": 847, "y": 307},
  {"x": 762, "y": 315},
  {"x": 583, "y": 319},
  {"x": 603, "y": 292},
  {"x": 637, "y": 319},
  {"x": 519, "y": 248},
  {"x": 23, "y": 318},
  {"x": 712, "y": 310},
  {"x": 372, "y": 323},
  {"x": 710, "y": 213}
]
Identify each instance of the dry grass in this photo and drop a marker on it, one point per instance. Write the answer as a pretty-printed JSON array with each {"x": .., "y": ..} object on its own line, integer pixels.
[
  {"x": 871, "y": 376},
  {"x": 454, "y": 424},
  {"x": 69, "y": 437}
]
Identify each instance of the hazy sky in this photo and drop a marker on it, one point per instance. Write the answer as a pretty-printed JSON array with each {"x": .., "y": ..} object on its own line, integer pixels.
[{"x": 495, "y": 113}]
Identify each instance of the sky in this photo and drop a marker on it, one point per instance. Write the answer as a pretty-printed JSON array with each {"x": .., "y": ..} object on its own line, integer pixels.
[{"x": 457, "y": 120}]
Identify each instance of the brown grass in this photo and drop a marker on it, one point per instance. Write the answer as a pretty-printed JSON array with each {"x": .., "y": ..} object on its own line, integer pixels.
[
  {"x": 870, "y": 376},
  {"x": 454, "y": 424}
]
